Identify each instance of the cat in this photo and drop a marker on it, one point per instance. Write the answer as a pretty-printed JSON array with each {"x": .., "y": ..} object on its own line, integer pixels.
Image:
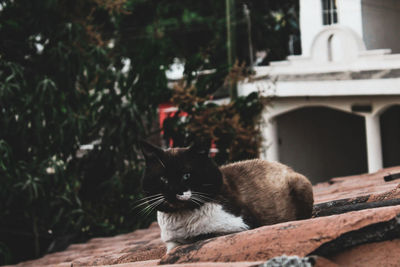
[{"x": 196, "y": 199}]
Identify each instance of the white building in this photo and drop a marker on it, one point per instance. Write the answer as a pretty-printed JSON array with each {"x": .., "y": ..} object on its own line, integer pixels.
[{"x": 335, "y": 110}]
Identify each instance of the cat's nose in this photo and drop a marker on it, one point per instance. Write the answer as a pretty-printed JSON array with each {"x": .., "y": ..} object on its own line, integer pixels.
[{"x": 184, "y": 196}]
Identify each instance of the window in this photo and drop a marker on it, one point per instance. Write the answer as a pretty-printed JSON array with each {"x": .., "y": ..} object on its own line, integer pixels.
[{"x": 329, "y": 12}]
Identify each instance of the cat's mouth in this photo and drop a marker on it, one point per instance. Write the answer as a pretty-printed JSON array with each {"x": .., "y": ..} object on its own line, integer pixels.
[
  {"x": 185, "y": 196},
  {"x": 182, "y": 201}
]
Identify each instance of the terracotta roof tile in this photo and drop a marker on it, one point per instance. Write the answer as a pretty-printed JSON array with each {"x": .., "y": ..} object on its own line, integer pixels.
[
  {"x": 354, "y": 186},
  {"x": 369, "y": 236},
  {"x": 292, "y": 238},
  {"x": 372, "y": 254}
]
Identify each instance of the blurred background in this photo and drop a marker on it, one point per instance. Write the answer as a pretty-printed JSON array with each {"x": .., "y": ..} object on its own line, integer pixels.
[
  {"x": 81, "y": 82},
  {"x": 314, "y": 84}
]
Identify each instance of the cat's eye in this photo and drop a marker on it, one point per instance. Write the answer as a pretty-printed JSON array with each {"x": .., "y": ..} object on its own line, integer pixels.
[
  {"x": 164, "y": 180},
  {"x": 186, "y": 176}
]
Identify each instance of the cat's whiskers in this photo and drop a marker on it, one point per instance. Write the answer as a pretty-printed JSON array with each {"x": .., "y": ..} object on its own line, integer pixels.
[
  {"x": 219, "y": 200},
  {"x": 155, "y": 195},
  {"x": 144, "y": 199},
  {"x": 197, "y": 201},
  {"x": 204, "y": 197},
  {"x": 158, "y": 203},
  {"x": 148, "y": 201},
  {"x": 200, "y": 196},
  {"x": 201, "y": 193},
  {"x": 147, "y": 210}
]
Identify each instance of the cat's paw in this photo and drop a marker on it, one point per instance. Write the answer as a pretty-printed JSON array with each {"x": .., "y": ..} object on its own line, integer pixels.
[{"x": 171, "y": 245}]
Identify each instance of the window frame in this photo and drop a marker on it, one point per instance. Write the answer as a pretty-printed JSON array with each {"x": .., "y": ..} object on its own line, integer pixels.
[{"x": 329, "y": 12}]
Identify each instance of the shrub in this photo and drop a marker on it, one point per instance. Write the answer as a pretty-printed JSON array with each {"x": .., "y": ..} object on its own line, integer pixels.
[
  {"x": 234, "y": 128},
  {"x": 65, "y": 85},
  {"x": 62, "y": 87}
]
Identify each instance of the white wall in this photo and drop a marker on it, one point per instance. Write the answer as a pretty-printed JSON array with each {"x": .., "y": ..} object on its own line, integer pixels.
[
  {"x": 275, "y": 129},
  {"x": 380, "y": 24},
  {"x": 375, "y": 21},
  {"x": 310, "y": 23},
  {"x": 349, "y": 15}
]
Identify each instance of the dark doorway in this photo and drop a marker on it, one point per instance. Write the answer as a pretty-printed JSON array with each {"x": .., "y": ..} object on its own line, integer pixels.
[
  {"x": 322, "y": 143},
  {"x": 390, "y": 133}
]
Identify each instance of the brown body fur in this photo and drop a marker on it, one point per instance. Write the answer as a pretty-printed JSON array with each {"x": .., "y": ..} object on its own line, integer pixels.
[{"x": 266, "y": 192}]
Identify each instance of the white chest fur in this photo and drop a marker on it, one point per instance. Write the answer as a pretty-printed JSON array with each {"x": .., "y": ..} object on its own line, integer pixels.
[{"x": 177, "y": 228}]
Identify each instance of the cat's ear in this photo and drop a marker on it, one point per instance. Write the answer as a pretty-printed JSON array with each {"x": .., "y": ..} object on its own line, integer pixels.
[
  {"x": 150, "y": 151},
  {"x": 199, "y": 149}
]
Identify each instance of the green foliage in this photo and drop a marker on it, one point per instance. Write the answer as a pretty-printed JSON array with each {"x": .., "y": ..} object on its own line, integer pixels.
[
  {"x": 63, "y": 85},
  {"x": 232, "y": 127},
  {"x": 195, "y": 31}
]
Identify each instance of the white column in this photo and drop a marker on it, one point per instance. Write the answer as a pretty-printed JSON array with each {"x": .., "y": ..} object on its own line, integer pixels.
[
  {"x": 374, "y": 144},
  {"x": 270, "y": 140}
]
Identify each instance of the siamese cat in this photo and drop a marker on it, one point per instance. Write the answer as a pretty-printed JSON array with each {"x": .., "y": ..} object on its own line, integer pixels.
[{"x": 196, "y": 199}]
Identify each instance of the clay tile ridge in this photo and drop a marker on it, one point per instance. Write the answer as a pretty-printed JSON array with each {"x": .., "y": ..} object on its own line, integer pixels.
[{"x": 356, "y": 223}]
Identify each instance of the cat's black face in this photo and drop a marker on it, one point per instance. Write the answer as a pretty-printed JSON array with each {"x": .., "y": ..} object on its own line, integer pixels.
[{"x": 179, "y": 178}]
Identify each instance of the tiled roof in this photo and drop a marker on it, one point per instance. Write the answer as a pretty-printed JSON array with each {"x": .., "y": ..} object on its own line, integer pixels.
[{"x": 368, "y": 236}]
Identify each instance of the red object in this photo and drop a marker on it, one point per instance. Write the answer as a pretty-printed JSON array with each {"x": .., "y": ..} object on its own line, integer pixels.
[{"x": 167, "y": 110}]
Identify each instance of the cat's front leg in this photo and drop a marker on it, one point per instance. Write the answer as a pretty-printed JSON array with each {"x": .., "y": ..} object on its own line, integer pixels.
[{"x": 171, "y": 245}]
